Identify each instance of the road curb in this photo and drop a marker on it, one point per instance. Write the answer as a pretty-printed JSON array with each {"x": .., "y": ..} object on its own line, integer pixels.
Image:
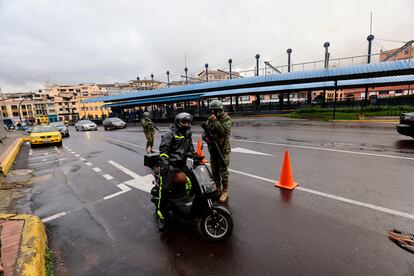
[
  {"x": 31, "y": 255},
  {"x": 365, "y": 121},
  {"x": 8, "y": 157}
]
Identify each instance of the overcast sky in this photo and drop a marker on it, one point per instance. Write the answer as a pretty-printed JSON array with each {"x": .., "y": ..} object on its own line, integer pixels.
[{"x": 78, "y": 41}]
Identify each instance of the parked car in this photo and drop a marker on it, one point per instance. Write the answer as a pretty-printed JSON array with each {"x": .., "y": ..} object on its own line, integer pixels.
[
  {"x": 8, "y": 123},
  {"x": 406, "y": 126},
  {"x": 114, "y": 123},
  {"x": 85, "y": 125},
  {"x": 64, "y": 130},
  {"x": 45, "y": 135}
]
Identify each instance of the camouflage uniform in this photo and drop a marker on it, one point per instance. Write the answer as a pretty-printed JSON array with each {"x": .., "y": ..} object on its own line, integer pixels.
[
  {"x": 220, "y": 129},
  {"x": 149, "y": 131}
]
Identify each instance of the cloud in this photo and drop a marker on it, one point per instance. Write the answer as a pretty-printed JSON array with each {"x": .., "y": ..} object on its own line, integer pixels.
[{"x": 107, "y": 41}]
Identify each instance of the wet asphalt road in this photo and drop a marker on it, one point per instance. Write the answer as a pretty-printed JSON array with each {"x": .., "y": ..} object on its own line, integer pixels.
[{"x": 355, "y": 182}]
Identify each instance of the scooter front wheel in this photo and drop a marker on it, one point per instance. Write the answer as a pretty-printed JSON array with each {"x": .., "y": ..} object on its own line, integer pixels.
[{"x": 216, "y": 226}]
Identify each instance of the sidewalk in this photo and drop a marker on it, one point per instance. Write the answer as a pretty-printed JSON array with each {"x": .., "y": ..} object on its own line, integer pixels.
[{"x": 22, "y": 236}]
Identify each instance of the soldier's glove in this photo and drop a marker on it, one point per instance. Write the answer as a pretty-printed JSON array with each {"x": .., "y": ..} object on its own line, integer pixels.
[
  {"x": 212, "y": 118},
  {"x": 205, "y": 138}
]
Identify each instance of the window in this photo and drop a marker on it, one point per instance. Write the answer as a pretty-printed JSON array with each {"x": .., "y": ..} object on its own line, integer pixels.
[
  {"x": 406, "y": 52},
  {"x": 29, "y": 106},
  {"x": 14, "y": 106},
  {"x": 398, "y": 91},
  {"x": 15, "y": 114}
]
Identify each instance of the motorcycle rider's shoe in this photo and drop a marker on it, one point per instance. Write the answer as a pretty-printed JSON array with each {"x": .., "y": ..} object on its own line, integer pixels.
[
  {"x": 224, "y": 196},
  {"x": 161, "y": 225}
]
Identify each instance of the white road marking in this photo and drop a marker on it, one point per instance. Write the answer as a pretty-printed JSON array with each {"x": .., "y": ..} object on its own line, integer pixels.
[
  {"x": 30, "y": 151},
  {"x": 58, "y": 215},
  {"x": 339, "y": 198},
  {"x": 325, "y": 149},
  {"x": 144, "y": 183},
  {"x": 125, "y": 170},
  {"x": 73, "y": 152},
  {"x": 82, "y": 159},
  {"x": 88, "y": 163},
  {"x": 77, "y": 155},
  {"x": 124, "y": 188},
  {"x": 96, "y": 169},
  {"x": 243, "y": 150},
  {"x": 58, "y": 151},
  {"x": 42, "y": 157},
  {"x": 135, "y": 145},
  {"x": 107, "y": 176},
  {"x": 30, "y": 164}
]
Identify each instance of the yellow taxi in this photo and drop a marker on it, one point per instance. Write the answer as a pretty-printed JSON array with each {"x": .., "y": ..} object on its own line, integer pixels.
[{"x": 45, "y": 135}]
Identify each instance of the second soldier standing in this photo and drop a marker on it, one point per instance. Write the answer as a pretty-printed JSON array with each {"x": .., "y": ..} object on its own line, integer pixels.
[
  {"x": 217, "y": 137},
  {"x": 149, "y": 130}
]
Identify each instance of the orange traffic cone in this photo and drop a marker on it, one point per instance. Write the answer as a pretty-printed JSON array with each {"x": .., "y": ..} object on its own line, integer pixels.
[
  {"x": 200, "y": 152},
  {"x": 286, "y": 178}
]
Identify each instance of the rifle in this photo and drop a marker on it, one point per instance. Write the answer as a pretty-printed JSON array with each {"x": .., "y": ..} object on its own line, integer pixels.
[
  {"x": 155, "y": 127},
  {"x": 211, "y": 139}
]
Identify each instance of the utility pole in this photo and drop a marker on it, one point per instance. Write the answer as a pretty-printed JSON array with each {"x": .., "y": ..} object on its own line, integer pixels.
[
  {"x": 257, "y": 64},
  {"x": 168, "y": 79},
  {"x": 186, "y": 77}
]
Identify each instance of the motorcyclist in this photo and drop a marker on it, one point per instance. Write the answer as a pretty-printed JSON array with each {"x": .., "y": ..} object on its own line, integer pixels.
[
  {"x": 176, "y": 146},
  {"x": 149, "y": 130},
  {"x": 219, "y": 127}
]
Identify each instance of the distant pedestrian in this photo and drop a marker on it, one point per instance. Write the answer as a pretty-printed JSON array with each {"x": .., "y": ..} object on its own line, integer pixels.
[
  {"x": 217, "y": 136},
  {"x": 149, "y": 130}
]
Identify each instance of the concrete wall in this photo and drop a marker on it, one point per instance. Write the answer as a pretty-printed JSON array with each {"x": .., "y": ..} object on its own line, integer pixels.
[{"x": 2, "y": 130}]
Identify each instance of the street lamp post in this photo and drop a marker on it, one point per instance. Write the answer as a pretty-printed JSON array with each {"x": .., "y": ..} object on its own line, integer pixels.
[
  {"x": 370, "y": 38},
  {"x": 288, "y": 51},
  {"x": 230, "y": 61},
  {"x": 206, "y": 65},
  {"x": 152, "y": 81},
  {"x": 138, "y": 82},
  {"x": 326, "y": 66},
  {"x": 186, "y": 77},
  {"x": 257, "y": 64},
  {"x": 168, "y": 78}
]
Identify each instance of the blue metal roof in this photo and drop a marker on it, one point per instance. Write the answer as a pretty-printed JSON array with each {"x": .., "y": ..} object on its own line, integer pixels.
[
  {"x": 392, "y": 68},
  {"x": 315, "y": 86},
  {"x": 190, "y": 97}
]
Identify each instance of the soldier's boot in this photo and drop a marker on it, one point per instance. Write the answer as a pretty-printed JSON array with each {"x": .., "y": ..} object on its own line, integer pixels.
[
  {"x": 224, "y": 196},
  {"x": 218, "y": 189}
]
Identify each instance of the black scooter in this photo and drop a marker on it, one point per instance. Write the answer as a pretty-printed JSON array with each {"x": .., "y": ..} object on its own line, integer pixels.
[{"x": 215, "y": 221}]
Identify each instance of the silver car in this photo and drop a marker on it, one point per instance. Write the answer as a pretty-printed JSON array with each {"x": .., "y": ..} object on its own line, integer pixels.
[{"x": 85, "y": 125}]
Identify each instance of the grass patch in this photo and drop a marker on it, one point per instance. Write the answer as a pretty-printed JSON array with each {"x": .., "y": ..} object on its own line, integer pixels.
[
  {"x": 325, "y": 114},
  {"x": 49, "y": 258}
]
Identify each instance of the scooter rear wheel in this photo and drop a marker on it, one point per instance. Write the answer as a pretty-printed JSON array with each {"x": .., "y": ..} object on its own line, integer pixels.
[{"x": 217, "y": 226}]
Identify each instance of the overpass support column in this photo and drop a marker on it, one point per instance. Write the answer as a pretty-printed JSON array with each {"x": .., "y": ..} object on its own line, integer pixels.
[
  {"x": 309, "y": 97},
  {"x": 257, "y": 102}
]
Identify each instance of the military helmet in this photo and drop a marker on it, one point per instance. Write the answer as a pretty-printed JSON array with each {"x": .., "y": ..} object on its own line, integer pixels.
[
  {"x": 146, "y": 114},
  {"x": 182, "y": 118},
  {"x": 216, "y": 104}
]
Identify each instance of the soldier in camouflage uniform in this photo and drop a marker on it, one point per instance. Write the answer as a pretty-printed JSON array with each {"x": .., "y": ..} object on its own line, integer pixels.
[
  {"x": 219, "y": 126},
  {"x": 149, "y": 130}
]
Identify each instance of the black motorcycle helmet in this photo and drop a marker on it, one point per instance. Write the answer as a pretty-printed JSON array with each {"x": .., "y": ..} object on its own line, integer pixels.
[{"x": 183, "y": 121}]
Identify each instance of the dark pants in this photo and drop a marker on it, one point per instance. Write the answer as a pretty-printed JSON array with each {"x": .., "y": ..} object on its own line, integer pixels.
[{"x": 166, "y": 183}]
